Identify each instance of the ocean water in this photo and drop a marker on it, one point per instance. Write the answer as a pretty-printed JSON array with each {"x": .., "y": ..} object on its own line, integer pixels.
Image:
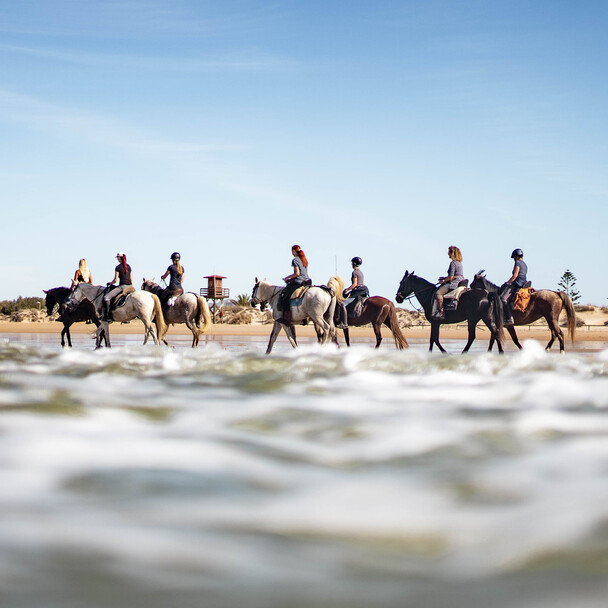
[{"x": 220, "y": 477}]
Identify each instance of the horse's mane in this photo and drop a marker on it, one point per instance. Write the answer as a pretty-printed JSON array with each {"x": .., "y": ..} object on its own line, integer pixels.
[{"x": 337, "y": 284}]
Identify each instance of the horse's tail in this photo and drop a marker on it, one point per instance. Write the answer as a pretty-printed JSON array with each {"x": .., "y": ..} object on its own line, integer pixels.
[
  {"x": 337, "y": 284},
  {"x": 393, "y": 324},
  {"x": 159, "y": 319},
  {"x": 497, "y": 314},
  {"x": 203, "y": 314},
  {"x": 569, "y": 306}
]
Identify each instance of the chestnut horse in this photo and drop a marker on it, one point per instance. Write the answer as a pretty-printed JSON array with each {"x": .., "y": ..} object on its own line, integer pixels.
[
  {"x": 377, "y": 311},
  {"x": 543, "y": 303}
]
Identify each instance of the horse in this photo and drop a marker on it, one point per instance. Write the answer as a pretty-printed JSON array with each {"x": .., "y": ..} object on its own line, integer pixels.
[
  {"x": 317, "y": 304},
  {"x": 377, "y": 311},
  {"x": 474, "y": 305},
  {"x": 85, "y": 311},
  {"x": 543, "y": 303},
  {"x": 189, "y": 308},
  {"x": 137, "y": 305}
]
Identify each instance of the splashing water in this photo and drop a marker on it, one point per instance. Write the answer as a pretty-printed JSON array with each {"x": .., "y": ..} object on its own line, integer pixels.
[{"x": 318, "y": 477}]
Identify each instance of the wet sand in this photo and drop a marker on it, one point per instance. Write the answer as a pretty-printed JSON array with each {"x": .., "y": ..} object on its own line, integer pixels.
[{"x": 455, "y": 332}]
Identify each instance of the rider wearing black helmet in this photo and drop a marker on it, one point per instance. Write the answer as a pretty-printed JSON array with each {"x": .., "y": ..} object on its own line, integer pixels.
[
  {"x": 514, "y": 284},
  {"x": 176, "y": 270},
  {"x": 357, "y": 287}
]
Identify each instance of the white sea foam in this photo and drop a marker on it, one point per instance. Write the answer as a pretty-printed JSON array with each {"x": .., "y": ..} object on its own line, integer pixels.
[{"x": 344, "y": 474}]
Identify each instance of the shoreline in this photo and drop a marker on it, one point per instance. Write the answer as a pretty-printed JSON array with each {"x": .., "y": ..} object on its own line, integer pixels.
[{"x": 585, "y": 333}]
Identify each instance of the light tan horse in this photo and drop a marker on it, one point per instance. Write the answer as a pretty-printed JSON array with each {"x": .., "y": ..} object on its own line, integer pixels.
[
  {"x": 137, "y": 305},
  {"x": 188, "y": 308},
  {"x": 317, "y": 304}
]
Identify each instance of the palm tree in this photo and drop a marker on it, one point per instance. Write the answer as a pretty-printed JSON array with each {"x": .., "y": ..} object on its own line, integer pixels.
[{"x": 241, "y": 300}]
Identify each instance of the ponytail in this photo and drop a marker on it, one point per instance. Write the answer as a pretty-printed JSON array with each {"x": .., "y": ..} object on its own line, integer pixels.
[
  {"x": 178, "y": 265},
  {"x": 301, "y": 255}
]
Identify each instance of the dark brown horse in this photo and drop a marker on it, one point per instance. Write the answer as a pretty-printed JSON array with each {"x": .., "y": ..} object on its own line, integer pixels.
[
  {"x": 474, "y": 305},
  {"x": 84, "y": 312},
  {"x": 377, "y": 311},
  {"x": 543, "y": 303}
]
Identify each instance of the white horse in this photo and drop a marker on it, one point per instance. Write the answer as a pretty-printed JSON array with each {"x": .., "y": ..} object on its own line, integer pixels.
[
  {"x": 317, "y": 304},
  {"x": 138, "y": 305},
  {"x": 189, "y": 308}
]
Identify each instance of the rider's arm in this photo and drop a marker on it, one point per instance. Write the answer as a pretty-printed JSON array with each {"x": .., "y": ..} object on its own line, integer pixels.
[
  {"x": 515, "y": 274},
  {"x": 165, "y": 275},
  {"x": 296, "y": 273},
  {"x": 114, "y": 279}
]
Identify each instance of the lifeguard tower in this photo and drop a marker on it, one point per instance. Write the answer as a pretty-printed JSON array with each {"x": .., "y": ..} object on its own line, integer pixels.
[{"x": 214, "y": 293}]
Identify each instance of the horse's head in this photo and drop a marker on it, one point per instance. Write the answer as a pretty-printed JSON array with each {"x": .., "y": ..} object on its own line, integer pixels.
[
  {"x": 49, "y": 301},
  {"x": 480, "y": 281},
  {"x": 255, "y": 298},
  {"x": 77, "y": 295},
  {"x": 405, "y": 289},
  {"x": 149, "y": 285}
]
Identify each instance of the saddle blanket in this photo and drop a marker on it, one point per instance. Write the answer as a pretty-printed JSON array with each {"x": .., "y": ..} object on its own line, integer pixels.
[
  {"x": 455, "y": 293},
  {"x": 522, "y": 299},
  {"x": 299, "y": 292}
]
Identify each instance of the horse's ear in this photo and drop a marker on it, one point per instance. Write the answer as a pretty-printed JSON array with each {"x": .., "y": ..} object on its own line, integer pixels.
[
  {"x": 257, "y": 280},
  {"x": 45, "y": 290}
]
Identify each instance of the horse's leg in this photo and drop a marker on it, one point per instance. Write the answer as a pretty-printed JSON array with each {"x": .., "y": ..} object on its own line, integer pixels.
[
  {"x": 378, "y": 331},
  {"x": 513, "y": 334},
  {"x": 471, "y": 327},
  {"x": 346, "y": 335},
  {"x": 195, "y": 335},
  {"x": 276, "y": 328},
  {"x": 435, "y": 337},
  {"x": 65, "y": 332},
  {"x": 556, "y": 332},
  {"x": 491, "y": 346}
]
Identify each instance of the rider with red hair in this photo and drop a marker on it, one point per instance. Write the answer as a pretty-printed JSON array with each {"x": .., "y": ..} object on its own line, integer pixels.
[{"x": 298, "y": 277}]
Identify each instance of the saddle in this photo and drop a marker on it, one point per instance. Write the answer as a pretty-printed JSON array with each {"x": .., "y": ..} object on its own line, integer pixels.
[
  {"x": 451, "y": 299},
  {"x": 298, "y": 292},
  {"x": 121, "y": 298},
  {"x": 354, "y": 306}
]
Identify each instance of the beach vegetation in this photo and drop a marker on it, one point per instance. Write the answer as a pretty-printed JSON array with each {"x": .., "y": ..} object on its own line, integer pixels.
[
  {"x": 241, "y": 300},
  {"x": 567, "y": 284},
  {"x": 8, "y": 307}
]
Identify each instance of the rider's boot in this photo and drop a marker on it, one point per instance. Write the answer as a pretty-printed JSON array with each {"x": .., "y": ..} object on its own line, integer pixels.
[{"x": 287, "y": 319}]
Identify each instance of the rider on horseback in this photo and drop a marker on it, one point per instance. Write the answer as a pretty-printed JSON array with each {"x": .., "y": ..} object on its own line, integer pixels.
[
  {"x": 298, "y": 277},
  {"x": 514, "y": 284},
  {"x": 451, "y": 281},
  {"x": 176, "y": 270},
  {"x": 357, "y": 289},
  {"x": 122, "y": 274}
]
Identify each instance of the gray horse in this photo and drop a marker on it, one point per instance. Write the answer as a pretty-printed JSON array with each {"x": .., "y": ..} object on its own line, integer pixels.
[
  {"x": 188, "y": 308},
  {"x": 317, "y": 304}
]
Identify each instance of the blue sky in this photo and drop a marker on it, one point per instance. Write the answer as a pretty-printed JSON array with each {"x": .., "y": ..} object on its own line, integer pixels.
[{"x": 229, "y": 131}]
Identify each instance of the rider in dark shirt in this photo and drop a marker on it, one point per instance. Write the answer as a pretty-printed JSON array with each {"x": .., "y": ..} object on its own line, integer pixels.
[
  {"x": 176, "y": 271},
  {"x": 122, "y": 274},
  {"x": 518, "y": 279}
]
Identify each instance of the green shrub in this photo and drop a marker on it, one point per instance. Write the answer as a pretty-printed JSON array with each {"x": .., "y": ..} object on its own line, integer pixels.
[{"x": 8, "y": 307}]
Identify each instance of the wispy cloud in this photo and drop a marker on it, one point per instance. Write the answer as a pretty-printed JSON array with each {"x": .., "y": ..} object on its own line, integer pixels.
[
  {"x": 99, "y": 130},
  {"x": 237, "y": 60}
]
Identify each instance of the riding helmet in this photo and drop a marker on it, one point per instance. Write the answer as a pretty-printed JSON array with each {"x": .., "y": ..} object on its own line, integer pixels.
[
  {"x": 357, "y": 261},
  {"x": 517, "y": 253},
  {"x": 176, "y": 256},
  {"x": 120, "y": 254}
]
